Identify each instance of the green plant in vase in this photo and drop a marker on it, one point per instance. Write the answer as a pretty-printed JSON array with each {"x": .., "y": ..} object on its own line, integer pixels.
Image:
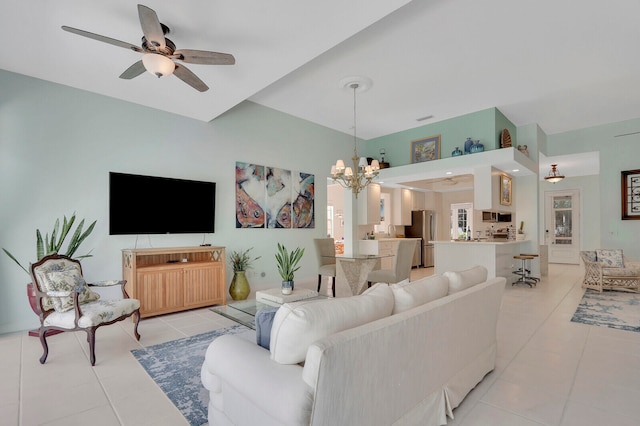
[
  {"x": 46, "y": 246},
  {"x": 240, "y": 261},
  {"x": 288, "y": 265},
  {"x": 53, "y": 244}
]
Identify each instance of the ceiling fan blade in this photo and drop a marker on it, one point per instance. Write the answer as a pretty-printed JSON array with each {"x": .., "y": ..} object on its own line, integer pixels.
[
  {"x": 184, "y": 74},
  {"x": 205, "y": 57},
  {"x": 133, "y": 71},
  {"x": 102, "y": 38},
  {"x": 151, "y": 27}
]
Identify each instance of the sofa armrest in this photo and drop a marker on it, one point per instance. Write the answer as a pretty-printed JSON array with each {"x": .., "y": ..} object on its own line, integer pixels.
[{"x": 249, "y": 370}]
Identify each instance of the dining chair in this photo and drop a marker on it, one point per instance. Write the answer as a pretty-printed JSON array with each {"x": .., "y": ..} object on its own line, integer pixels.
[
  {"x": 325, "y": 253},
  {"x": 402, "y": 262}
]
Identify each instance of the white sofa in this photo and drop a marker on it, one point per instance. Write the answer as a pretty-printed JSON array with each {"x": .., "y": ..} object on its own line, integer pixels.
[{"x": 411, "y": 366}]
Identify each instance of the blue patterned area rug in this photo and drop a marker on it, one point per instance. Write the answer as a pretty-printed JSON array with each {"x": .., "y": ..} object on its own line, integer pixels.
[
  {"x": 175, "y": 367},
  {"x": 613, "y": 309}
]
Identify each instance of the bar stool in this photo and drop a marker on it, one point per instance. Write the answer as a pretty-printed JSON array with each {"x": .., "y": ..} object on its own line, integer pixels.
[
  {"x": 522, "y": 272},
  {"x": 528, "y": 269}
]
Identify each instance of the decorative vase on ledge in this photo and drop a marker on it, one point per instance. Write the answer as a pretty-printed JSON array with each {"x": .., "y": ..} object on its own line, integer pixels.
[
  {"x": 456, "y": 152},
  {"x": 477, "y": 147},
  {"x": 467, "y": 146}
]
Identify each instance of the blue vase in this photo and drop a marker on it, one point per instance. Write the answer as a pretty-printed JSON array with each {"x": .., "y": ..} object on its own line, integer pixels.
[
  {"x": 456, "y": 152},
  {"x": 477, "y": 147},
  {"x": 467, "y": 146}
]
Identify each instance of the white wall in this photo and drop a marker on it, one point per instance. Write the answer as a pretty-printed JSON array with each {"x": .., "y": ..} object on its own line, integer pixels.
[{"x": 57, "y": 146}]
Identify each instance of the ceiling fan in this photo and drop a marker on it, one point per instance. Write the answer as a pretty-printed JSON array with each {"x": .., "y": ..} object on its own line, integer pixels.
[
  {"x": 446, "y": 180},
  {"x": 159, "y": 53}
]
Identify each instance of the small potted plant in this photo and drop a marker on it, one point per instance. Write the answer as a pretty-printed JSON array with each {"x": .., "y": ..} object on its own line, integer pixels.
[
  {"x": 240, "y": 262},
  {"x": 287, "y": 266}
]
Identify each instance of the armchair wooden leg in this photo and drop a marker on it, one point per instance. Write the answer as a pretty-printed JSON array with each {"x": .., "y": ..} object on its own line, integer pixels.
[
  {"x": 333, "y": 286},
  {"x": 135, "y": 328},
  {"x": 91, "y": 338},
  {"x": 45, "y": 347},
  {"x": 319, "y": 282}
]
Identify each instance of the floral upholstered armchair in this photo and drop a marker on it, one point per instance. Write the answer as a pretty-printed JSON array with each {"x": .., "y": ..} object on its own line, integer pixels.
[
  {"x": 609, "y": 269},
  {"x": 67, "y": 303}
]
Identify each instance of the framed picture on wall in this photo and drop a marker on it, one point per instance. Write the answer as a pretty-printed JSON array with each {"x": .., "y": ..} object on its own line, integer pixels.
[
  {"x": 630, "y": 184},
  {"x": 505, "y": 190},
  {"x": 426, "y": 149}
]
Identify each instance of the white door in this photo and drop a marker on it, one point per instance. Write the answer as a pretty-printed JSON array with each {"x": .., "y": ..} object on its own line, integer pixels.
[{"x": 562, "y": 226}]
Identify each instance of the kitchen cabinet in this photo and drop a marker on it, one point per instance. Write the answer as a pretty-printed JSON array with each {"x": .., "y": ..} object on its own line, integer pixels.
[
  {"x": 369, "y": 205},
  {"x": 418, "y": 200},
  {"x": 402, "y": 206}
]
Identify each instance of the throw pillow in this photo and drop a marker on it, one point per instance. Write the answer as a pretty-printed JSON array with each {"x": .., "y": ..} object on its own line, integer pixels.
[
  {"x": 297, "y": 325},
  {"x": 612, "y": 258},
  {"x": 590, "y": 255},
  {"x": 408, "y": 295},
  {"x": 461, "y": 280},
  {"x": 66, "y": 281},
  {"x": 264, "y": 322}
]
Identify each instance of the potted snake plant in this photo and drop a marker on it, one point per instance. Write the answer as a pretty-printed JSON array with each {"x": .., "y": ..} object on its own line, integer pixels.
[
  {"x": 53, "y": 244},
  {"x": 240, "y": 262},
  {"x": 288, "y": 265}
]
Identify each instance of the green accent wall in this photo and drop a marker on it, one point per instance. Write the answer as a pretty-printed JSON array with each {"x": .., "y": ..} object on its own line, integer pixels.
[{"x": 484, "y": 126}]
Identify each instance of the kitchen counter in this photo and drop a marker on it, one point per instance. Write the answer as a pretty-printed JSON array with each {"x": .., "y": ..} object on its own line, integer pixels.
[
  {"x": 396, "y": 238},
  {"x": 496, "y": 256},
  {"x": 481, "y": 242}
]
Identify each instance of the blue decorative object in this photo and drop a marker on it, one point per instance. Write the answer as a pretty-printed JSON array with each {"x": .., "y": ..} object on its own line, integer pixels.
[
  {"x": 467, "y": 146},
  {"x": 175, "y": 367},
  {"x": 477, "y": 147},
  {"x": 264, "y": 322},
  {"x": 456, "y": 152}
]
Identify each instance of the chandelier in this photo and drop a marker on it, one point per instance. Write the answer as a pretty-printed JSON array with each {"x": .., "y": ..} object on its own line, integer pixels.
[
  {"x": 358, "y": 177},
  {"x": 554, "y": 175}
]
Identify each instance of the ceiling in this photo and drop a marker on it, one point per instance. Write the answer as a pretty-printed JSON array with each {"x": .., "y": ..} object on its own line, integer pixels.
[{"x": 563, "y": 65}]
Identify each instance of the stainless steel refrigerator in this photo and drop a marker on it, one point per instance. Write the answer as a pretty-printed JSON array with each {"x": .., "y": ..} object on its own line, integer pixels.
[{"x": 423, "y": 225}]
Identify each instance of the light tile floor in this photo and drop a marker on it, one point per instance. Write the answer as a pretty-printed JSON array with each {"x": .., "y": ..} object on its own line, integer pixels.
[{"x": 549, "y": 370}]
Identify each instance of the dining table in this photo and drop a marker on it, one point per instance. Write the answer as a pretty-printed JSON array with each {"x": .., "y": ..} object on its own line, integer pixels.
[{"x": 352, "y": 270}]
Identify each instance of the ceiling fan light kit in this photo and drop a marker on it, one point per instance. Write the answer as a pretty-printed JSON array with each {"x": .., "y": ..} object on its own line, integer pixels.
[
  {"x": 159, "y": 53},
  {"x": 158, "y": 65}
]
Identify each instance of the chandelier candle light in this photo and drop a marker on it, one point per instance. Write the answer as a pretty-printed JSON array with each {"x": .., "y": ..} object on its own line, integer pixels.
[{"x": 362, "y": 173}]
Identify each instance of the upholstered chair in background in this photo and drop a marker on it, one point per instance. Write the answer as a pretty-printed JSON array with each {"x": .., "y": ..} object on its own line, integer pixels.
[
  {"x": 325, "y": 253},
  {"x": 402, "y": 263}
]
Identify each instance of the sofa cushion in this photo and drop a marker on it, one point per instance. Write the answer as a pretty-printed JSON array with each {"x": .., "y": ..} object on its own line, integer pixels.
[
  {"x": 407, "y": 295},
  {"x": 611, "y": 258},
  {"x": 264, "y": 322},
  {"x": 461, "y": 280},
  {"x": 297, "y": 325}
]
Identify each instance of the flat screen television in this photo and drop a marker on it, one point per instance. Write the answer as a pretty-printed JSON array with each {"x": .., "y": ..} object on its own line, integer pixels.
[{"x": 159, "y": 205}]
